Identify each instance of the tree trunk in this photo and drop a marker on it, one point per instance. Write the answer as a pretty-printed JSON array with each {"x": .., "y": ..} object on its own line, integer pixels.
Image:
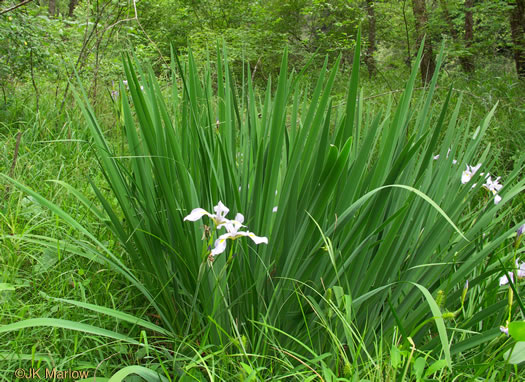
[
  {"x": 467, "y": 61},
  {"x": 517, "y": 29},
  {"x": 52, "y": 7},
  {"x": 408, "y": 60},
  {"x": 452, "y": 30},
  {"x": 369, "y": 58},
  {"x": 72, "y": 5},
  {"x": 428, "y": 63}
]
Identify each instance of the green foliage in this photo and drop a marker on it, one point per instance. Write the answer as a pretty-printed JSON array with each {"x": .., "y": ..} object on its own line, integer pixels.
[
  {"x": 491, "y": 32},
  {"x": 364, "y": 254},
  {"x": 39, "y": 53},
  {"x": 339, "y": 212}
]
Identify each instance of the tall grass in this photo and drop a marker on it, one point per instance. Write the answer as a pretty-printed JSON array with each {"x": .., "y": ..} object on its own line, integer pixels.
[{"x": 369, "y": 235}]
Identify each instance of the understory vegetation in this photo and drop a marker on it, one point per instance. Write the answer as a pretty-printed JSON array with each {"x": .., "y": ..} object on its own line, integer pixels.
[{"x": 221, "y": 212}]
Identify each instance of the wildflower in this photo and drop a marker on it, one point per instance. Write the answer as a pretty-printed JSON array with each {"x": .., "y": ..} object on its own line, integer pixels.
[
  {"x": 232, "y": 227},
  {"x": 493, "y": 186},
  {"x": 469, "y": 173},
  {"x": 504, "y": 329},
  {"x": 274, "y": 209},
  {"x": 218, "y": 218},
  {"x": 233, "y": 233},
  {"x": 237, "y": 222},
  {"x": 520, "y": 272},
  {"x": 436, "y": 157},
  {"x": 504, "y": 280}
]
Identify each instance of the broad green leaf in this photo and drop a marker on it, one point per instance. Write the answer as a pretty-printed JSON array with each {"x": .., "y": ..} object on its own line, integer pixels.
[
  {"x": 517, "y": 330},
  {"x": 66, "y": 324},
  {"x": 395, "y": 357},
  {"x": 113, "y": 313},
  {"x": 435, "y": 367},
  {"x": 148, "y": 374},
  {"x": 516, "y": 354},
  {"x": 6, "y": 287},
  {"x": 419, "y": 367}
]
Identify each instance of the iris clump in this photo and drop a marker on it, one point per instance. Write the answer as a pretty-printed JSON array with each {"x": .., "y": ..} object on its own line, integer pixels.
[{"x": 362, "y": 212}]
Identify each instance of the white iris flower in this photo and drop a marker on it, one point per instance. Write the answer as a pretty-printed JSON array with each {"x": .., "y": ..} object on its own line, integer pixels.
[
  {"x": 504, "y": 280},
  {"x": 493, "y": 186},
  {"x": 218, "y": 218},
  {"x": 232, "y": 226},
  {"x": 469, "y": 173},
  {"x": 233, "y": 233}
]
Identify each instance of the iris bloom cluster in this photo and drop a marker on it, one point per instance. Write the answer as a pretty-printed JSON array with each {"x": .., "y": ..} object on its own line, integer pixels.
[
  {"x": 493, "y": 186},
  {"x": 490, "y": 185},
  {"x": 232, "y": 227}
]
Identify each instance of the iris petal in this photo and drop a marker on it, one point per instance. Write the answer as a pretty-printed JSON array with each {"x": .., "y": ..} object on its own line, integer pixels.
[{"x": 196, "y": 214}]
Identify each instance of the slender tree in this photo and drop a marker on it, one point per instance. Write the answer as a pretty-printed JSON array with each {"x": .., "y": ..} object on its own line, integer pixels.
[
  {"x": 448, "y": 19},
  {"x": 428, "y": 63},
  {"x": 408, "y": 59},
  {"x": 467, "y": 60},
  {"x": 369, "y": 58},
  {"x": 517, "y": 29},
  {"x": 52, "y": 7},
  {"x": 72, "y": 5}
]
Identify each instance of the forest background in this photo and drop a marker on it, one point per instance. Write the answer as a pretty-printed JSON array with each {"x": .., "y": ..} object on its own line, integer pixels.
[{"x": 43, "y": 42}]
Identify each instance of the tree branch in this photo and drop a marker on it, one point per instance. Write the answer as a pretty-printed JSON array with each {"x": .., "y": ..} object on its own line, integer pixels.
[{"x": 15, "y": 6}]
